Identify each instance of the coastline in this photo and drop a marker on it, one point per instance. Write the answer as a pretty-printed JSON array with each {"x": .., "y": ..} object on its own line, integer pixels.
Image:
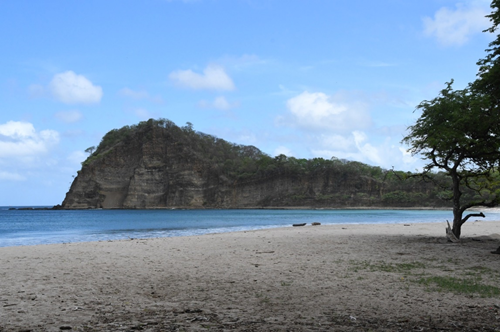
[
  {"x": 312, "y": 278},
  {"x": 44, "y": 227},
  {"x": 58, "y": 207}
]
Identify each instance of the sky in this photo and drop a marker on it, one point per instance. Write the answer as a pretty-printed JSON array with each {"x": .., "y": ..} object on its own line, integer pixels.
[{"x": 304, "y": 78}]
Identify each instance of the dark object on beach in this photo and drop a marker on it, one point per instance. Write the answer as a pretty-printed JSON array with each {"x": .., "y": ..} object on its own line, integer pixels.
[
  {"x": 297, "y": 225},
  {"x": 316, "y": 223}
]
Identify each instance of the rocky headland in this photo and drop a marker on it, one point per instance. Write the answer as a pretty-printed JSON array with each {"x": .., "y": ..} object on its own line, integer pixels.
[{"x": 157, "y": 164}]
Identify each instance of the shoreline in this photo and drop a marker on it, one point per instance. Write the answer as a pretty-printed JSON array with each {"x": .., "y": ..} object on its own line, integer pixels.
[
  {"x": 142, "y": 233},
  {"x": 59, "y": 208},
  {"x": 311, "y": 278}
]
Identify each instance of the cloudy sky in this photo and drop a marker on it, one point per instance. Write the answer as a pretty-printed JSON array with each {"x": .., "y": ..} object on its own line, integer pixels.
[{"x": 306, "y": 78}]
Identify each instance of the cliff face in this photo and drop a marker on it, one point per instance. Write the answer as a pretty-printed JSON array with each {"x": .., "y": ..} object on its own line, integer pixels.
[
  {"x": 155, "y": 166},
  {"x": 147, "y": 170}
]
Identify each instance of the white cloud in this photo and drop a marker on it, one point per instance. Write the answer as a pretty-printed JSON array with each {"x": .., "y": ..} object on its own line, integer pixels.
[
  {"x": 76, "y": 157},
  {"x": 340, "y": 125},
  {"x": 213, "y": 78},
  {"x": 247, "y": 137},
  {"x": 9, "y": 176},
  {"x": 143, "y": 114},
  {"x": 283, "y": 90},
  {"x": 316, "y": 105},
  {"x": 327, "y": 154},
  {"x": 408, "y": 158},
  {"x": 24, "y": 151},
  {"x": 317, "y": 111},
  {"x": 20, "y": 139},
  {"x": 351, "y": 146},
  {"x": 219, "y": 103},
  {"x": 126, "y": 92},
  {"x": 283, "y": 150},
  {"x": 455, "y": 27},
  {"x": 139, "y": 95},
  {"x": 338, "y": 142},
  {"x": 69, "y": 116},
  {"x": 71, "y": 88},
  {"x": 369, "y": 152},
  {"x": 369, "y": 149}
]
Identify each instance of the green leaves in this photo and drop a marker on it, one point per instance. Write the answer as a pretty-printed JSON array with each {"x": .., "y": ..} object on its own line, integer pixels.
[{"x": 456, "y": 130}]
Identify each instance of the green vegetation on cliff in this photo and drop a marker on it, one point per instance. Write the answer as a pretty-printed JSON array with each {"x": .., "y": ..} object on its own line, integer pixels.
[{"x": 345, "y": 183}]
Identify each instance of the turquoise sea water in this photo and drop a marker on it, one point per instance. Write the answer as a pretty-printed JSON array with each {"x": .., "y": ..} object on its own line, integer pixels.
[{"x": 32, "y": 227}]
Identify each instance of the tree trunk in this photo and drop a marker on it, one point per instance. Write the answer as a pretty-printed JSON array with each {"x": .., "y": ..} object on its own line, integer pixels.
[
  {"x": 457, "y": 222},
  {"x": 457, "y": 211}
]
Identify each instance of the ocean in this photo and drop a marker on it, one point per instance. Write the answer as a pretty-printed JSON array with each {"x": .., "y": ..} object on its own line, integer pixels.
[{"x": 34, "y": 227}]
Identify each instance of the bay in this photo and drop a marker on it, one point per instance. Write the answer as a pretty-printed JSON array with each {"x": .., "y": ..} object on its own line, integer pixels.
[{"x": 34, "y": 227}]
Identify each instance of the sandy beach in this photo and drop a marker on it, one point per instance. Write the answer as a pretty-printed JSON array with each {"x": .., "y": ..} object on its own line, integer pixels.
[{"x": 311, "y": 278}]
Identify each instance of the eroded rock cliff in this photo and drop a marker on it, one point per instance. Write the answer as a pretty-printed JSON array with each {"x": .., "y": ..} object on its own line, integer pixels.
[{"x": 157, "y": 164}]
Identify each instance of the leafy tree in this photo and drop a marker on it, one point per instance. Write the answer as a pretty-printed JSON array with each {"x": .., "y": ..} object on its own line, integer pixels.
[
  {"x": 90, "y": 150},
  {"x": 459, "y": 133},
  {"x": 488, "y": 81}
]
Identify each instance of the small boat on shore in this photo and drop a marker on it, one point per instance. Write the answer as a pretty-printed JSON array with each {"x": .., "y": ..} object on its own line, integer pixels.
[{"x": 297, "y": 225}]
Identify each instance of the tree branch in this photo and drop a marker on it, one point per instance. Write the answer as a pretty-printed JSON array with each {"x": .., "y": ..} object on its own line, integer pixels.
[{"x": 480, "y": 214}]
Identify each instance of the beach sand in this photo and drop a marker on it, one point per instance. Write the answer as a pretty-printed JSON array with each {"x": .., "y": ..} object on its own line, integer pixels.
[{"x": 311, "y": 278}]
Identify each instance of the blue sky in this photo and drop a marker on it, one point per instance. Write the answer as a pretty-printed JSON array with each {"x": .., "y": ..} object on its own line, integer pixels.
[{"x": 306, "y": 78}]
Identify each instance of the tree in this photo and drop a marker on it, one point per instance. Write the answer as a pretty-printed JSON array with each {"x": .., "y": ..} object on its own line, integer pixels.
[
  {"x": 90, "y": 150},
  {"x": 488, "y": 80},
  {"x": 459, "y": 133}
]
